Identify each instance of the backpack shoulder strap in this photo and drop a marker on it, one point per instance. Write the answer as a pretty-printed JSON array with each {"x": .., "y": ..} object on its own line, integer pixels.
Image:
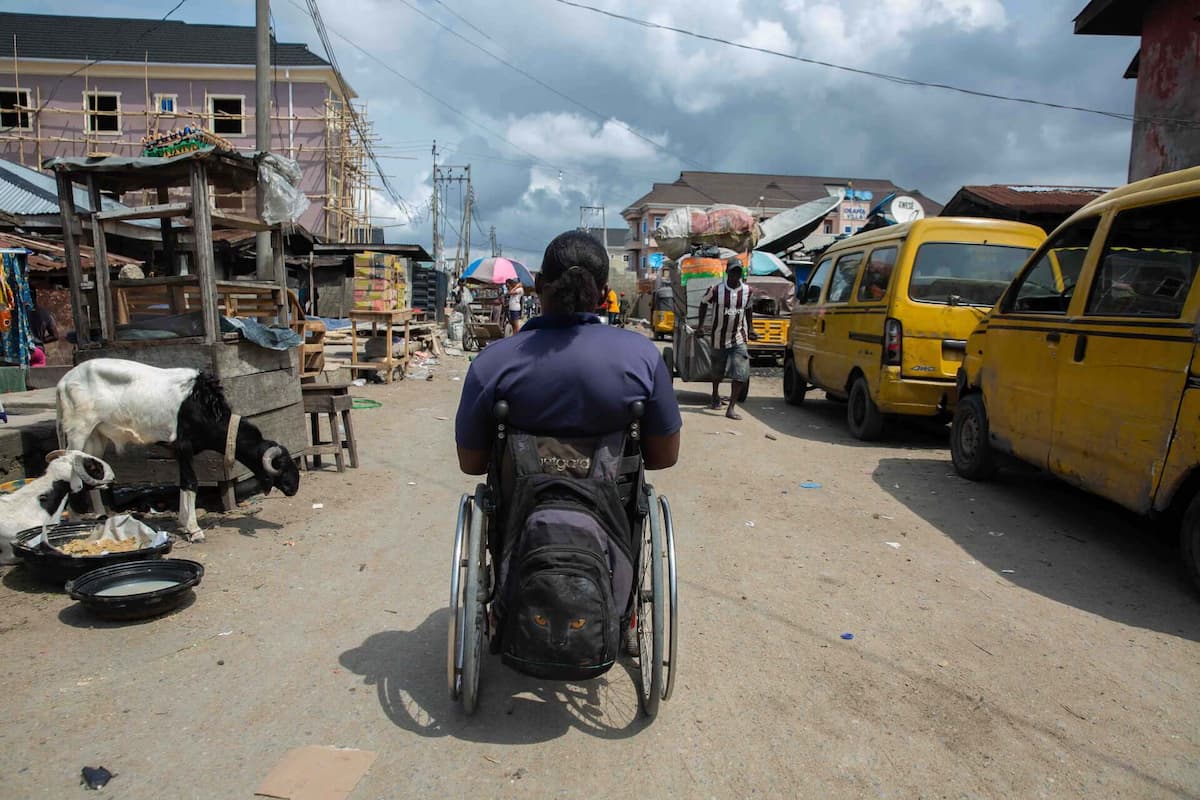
[{"x": 523, "y": 453}]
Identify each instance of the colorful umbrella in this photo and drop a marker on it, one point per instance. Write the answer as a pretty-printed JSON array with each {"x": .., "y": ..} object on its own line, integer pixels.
[
  {"x": 767, "y": 264},
  {"x": 498, "y": 270}
]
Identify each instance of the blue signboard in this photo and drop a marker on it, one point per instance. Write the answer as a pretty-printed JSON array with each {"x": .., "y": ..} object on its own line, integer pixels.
[{"x": 656, "y": 260}]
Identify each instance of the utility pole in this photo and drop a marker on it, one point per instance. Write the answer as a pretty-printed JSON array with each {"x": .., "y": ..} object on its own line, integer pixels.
[
  {"x": 585, "y": 213},
  {"x": 437, "y": 250},
  {"x": 263, "y": 263},
  {"x": 466, "y": 226},
  {"x": 492, "y": 241}
]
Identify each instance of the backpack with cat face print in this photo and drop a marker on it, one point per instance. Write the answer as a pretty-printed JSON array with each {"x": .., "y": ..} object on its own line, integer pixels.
[{"x": 566, "y": 568}]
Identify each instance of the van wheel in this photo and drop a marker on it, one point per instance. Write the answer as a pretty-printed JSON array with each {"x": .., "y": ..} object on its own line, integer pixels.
[
  {"x": 862, "y": 414},
  {"x": 794, "y": 384},
  {"x": 1189, "y": 540},
  {"x": 970, "y": 446},
  {"x": 669, "y": 359}
]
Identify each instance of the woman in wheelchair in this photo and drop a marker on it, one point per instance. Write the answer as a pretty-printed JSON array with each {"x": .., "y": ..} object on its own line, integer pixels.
[{"x": 563, "y": 417}]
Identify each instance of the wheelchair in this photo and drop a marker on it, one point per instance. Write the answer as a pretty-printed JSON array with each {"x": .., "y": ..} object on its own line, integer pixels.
[{"x": 474, "y": 578}]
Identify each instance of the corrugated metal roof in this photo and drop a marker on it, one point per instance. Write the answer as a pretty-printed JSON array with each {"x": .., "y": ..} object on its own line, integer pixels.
[
  {"x": 70, "y": 38},
  {"x": 1029, "y": 199},
  {"x": 770, "y": 191},
  {"x": 27, "y": 192}
]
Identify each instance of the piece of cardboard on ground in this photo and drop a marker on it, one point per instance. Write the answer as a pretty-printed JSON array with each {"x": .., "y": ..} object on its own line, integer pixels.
[{"x": 316, "y": 773}]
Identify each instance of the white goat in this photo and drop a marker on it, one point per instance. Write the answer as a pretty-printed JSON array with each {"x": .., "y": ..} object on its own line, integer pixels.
[
  {"x": 41, "y": 501},
  {"x": 108, "y": 400}
]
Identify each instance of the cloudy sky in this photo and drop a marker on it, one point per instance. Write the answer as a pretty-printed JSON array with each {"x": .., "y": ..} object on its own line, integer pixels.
[{"x": 537, "y": 156}]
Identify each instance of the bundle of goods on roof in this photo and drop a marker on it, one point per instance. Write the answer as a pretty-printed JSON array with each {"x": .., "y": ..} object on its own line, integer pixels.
[
  {"x": 182, "y": 140},
  {"x": 683, "y": 229}
]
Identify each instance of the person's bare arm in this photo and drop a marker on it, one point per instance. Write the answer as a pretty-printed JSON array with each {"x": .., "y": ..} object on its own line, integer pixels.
[
  {"x": 473, "y": 462},
  {"x": 660, "y": 452}
]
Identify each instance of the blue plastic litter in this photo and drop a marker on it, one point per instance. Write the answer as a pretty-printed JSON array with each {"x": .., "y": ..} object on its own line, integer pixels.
[
  {"x": 810, "y": 485},
  {"x": 847, "y": 636}
]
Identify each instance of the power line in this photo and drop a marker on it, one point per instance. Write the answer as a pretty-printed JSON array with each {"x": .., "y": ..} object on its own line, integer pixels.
[
  {"x": 364, "y": 139},
  {"x": 467, "y": 22},
  {"x": 94, "y": 62},
  {"x": 489, "y": 131},
  {"x": 548, "y": 87},
  {"x": 879, "y": 75}
]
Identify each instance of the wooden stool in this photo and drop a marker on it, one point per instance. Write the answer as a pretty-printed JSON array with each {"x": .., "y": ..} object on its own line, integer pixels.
[{"x": 330, "y": 399}]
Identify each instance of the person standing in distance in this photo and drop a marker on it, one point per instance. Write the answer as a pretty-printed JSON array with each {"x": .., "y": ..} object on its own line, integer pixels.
[{"x": 732, "y": 328}]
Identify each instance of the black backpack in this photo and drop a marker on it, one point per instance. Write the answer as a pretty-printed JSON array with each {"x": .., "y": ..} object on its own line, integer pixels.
[{"x": 566, "y": 565}]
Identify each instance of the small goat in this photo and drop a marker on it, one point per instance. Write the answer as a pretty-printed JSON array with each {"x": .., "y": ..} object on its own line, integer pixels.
[
  {"x": 41, "y": 502},
  {"x": 108, "y": 400}
]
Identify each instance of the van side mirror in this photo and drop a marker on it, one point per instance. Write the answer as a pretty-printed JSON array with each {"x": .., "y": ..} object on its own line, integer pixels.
[{"x": 814, "y": 294}]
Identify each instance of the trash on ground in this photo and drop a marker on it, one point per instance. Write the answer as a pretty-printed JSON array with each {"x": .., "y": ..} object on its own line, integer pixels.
[
  {"x": 359, "y": 382},
  {"x": 749, "y": 523},
  {"x": 316, "y": 773},
  {"x": 1009, "y": 571},
  {"x": 881, "y": 516},
  {"x": 943, "y": 663},
  {"x": 810, "y": 485},
  {"x": 95, "y": 777},
  {"x": 772, "y": 437},
  {"x": 995, "y": 533},
  {"x": 412, "y": 483},
  {"x": 893, "y": 545},
  {"x": 847, "y": 636},
  {"x": 318, "y": 505}
]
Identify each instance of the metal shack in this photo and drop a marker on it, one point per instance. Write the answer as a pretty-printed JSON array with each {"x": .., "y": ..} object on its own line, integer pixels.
[{"x": 181, "y": 320}]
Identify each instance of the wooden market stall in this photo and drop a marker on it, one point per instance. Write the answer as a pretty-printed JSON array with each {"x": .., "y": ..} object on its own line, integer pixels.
[{"x": 175, "y": 320}]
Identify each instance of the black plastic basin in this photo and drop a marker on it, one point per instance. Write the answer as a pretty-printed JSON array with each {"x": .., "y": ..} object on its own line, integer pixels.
[
  {"x": 137, "y": 589},
  {"x": 56, "y": 567}
]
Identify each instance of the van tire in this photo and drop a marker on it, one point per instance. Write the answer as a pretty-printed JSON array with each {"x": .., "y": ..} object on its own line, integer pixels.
[
  {"x": 970, "y": 443},
  {"x": 1189, "y": 540},
  {"x": 862, "y": 415},
  {"x": 794, "y": 384}
]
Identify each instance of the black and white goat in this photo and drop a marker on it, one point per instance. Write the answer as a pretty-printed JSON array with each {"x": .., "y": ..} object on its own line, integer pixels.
[
  {"x": 41, "y": 501},
  {"x": 125, "y": 402}
]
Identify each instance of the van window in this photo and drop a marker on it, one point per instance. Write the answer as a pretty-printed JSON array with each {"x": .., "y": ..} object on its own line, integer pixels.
[
  {"x": 816, "y": 282},
  {"x": 964, "y": 273},
  {"x": 1047, "y": 285},
  {"x": 844, "y": 276},
  {"x": 878, "y": 274},
  {"x": 1149, "y": 262}
]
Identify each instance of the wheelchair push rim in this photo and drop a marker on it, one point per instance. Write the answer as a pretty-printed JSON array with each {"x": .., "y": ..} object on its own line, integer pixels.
[
  {"x": 474, "y": 602},
  {"x": 671, "y": 656},
  {"x": 650, "y": 611},
  {"x": 454, "y": 647}
]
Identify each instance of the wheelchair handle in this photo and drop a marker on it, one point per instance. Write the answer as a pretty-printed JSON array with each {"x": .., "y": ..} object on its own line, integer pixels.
[
  {"x": 637, "y": 409},
  {"x": 500, "y": 411}
]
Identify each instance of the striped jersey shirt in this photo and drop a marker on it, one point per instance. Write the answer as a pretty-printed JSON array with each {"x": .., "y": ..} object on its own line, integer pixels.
[{"x": 729, "y": 318}]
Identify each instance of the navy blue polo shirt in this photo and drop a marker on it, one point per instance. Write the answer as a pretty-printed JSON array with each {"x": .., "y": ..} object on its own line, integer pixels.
[{"x": 566, "y": 375}]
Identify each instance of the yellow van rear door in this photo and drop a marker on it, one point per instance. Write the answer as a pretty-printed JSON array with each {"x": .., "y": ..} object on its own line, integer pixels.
[
  {"x": 950, "y": 288},
  {"x": 1124, "y": 363},
  {"x": 1023, "y": 347}
]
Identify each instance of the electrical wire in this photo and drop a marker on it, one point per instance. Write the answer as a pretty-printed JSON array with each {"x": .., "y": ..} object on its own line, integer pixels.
[
  {"x": 878, "y": 75},
  {"x": 462, "y": 19},
  {"x": 489, "y": 131},
  {"x": 94, "y": 62},
  {"x": 604, "y": 118},
  {"x": 314, "y": 12}
]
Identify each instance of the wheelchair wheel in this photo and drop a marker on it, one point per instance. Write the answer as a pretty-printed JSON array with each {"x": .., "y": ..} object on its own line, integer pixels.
[
  {"x": 469, "y": 593},
  {"x": 650, "y": 610}
]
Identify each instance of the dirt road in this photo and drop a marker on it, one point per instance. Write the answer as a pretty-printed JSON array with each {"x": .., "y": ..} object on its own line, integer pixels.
[{"x": 1018, "y": 639}]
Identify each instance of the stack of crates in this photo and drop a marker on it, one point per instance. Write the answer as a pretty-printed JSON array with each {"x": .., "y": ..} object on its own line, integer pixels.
[{"x": 379, "y": 282}]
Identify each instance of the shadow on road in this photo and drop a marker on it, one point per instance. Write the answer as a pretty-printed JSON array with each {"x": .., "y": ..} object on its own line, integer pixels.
[
  {"x": 408, "y": 670},
  {"x": 1053, "y": 539}
]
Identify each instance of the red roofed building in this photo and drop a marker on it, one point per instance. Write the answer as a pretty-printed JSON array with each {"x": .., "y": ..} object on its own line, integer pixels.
[
  {"x": 1166, "y": 135},
  {"x": 1045, "y": 206}
]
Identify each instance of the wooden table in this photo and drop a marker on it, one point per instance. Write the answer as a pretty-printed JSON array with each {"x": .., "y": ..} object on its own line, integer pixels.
[{"x": 389, "y": 319}]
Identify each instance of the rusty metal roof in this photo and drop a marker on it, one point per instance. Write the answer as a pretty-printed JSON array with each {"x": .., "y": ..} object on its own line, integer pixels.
[
  {"x": 753, "y": 190},
  {"x": 1029, "y": 199},
  {"x": 1111, "y": 18}
]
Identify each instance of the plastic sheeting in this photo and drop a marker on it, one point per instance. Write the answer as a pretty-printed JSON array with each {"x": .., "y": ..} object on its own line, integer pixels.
[{"x": 279, "y": 180}]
